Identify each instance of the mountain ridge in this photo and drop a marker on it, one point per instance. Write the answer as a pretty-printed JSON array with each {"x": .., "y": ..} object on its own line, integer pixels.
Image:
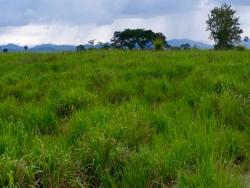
[{"x": 179, "y": 42}]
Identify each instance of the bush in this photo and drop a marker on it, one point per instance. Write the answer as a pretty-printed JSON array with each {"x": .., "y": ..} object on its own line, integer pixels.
[
  {"x": 240, "y": 48},
  {"x": 159, "y": 44}
]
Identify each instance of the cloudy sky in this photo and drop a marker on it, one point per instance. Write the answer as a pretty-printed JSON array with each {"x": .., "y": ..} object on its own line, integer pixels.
[{"x": 30, "y": 22}]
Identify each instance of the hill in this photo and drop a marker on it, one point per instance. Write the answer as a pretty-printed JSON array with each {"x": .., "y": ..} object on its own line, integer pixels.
[
  {"x": 52, "y": 48},
  {"x": 125, "y": 119},
  {"x": 12, "y": 47},
  {"x": 40, "y": 48},
  {"x": 179, "y": 42}
]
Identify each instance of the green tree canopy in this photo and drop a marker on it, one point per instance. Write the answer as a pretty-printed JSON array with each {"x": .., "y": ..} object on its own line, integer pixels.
[
  {"x": 224, "y": 27},
  {"x": 131, "y": 37}
]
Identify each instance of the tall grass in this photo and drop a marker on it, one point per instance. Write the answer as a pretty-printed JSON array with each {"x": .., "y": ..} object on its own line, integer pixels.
[{"x": 125, "y": 119}]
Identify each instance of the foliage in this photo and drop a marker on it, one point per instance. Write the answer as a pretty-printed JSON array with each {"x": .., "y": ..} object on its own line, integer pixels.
[
  {"x": 131, "y": 37},
  {"x": 5, "y": 50},
  {"x": 106, "y": 46},
  {"x": 158, "y": 44},
  {"x": 92, "y": 43},
  {"x": 125, "y": 119},
  {"x": 224, "y": 27},
  {"x": 186, "y": 46},
  {"x": 240, "y": 47}
]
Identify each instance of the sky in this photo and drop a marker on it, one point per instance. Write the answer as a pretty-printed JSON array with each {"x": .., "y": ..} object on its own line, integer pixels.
[{"x": 32, "y": 22}]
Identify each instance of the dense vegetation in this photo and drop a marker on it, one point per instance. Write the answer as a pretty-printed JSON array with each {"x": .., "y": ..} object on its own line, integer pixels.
[
  {"x": 125, "y": 119},
  {"x": 137, "y": 38},
  {"x": 224, "y": 27}
]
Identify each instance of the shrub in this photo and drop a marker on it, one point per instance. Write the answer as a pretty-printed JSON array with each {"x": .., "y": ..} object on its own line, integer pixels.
[
  {"x": 158, "y": 44},
  {"x": 240, "y": 48}
]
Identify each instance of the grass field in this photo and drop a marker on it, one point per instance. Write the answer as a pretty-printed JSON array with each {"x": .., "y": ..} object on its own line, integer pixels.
[{"x": 125, "y": 119}]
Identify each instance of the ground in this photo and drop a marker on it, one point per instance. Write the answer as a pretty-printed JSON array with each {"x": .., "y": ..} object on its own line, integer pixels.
[{"x": 125, "y": 119}]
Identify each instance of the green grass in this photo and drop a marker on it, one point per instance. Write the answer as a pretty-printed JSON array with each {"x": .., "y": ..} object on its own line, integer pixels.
[{"x": 125, "y": 119}]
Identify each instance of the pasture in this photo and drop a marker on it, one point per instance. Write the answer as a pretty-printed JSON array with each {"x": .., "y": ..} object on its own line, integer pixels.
[{"x": 125, "y": 119}]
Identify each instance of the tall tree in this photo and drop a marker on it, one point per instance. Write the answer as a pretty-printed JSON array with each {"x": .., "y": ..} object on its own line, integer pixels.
[
  {"x": 130, "y": 38},
  {"x": 224, "y": 27}
]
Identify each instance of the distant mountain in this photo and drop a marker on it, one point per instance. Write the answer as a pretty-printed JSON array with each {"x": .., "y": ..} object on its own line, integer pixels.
[
  {"x": 47, "y": 47},
  {"x": 52, "y": 48},
  {"x": 61, "y": 48},
  {"x": 247, "y": 44},
  {"x": 39, "y": 48},
  {"x": 179, "y": 42},
  {"x": 12, "y": 47}
]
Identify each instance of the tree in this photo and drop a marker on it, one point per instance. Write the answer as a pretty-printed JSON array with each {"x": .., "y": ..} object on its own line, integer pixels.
[
  {"x": 25, "y": 48},
  {"x": 80, "y": 48},
  {"x": 168, "y": 46},
  {"x": 105, "y": 46},
  {"x": 186, "y": 46},
  {"x": 224, "y": 27},
  {"x": 246, "y": 38},
  {"x": 158, "y": 44},
  {"x": 130, "y": 38},
  {"x": 5, "y": 50},
  {"x": 92, "y": 43}
]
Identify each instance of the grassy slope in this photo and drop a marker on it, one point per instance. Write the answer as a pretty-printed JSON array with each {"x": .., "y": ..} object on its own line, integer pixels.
[{"x": 125, "y": 119}]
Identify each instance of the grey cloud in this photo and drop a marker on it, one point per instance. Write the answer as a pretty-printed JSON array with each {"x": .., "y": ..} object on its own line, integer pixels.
[
  {"x": 234, "y": 2},
  {"x": 21, "y": 12},
  {"x": 150, "y": 7}
]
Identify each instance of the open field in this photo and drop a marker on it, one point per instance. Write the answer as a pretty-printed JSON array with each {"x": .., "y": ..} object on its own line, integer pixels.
[{"x": 125, "y": 119}]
